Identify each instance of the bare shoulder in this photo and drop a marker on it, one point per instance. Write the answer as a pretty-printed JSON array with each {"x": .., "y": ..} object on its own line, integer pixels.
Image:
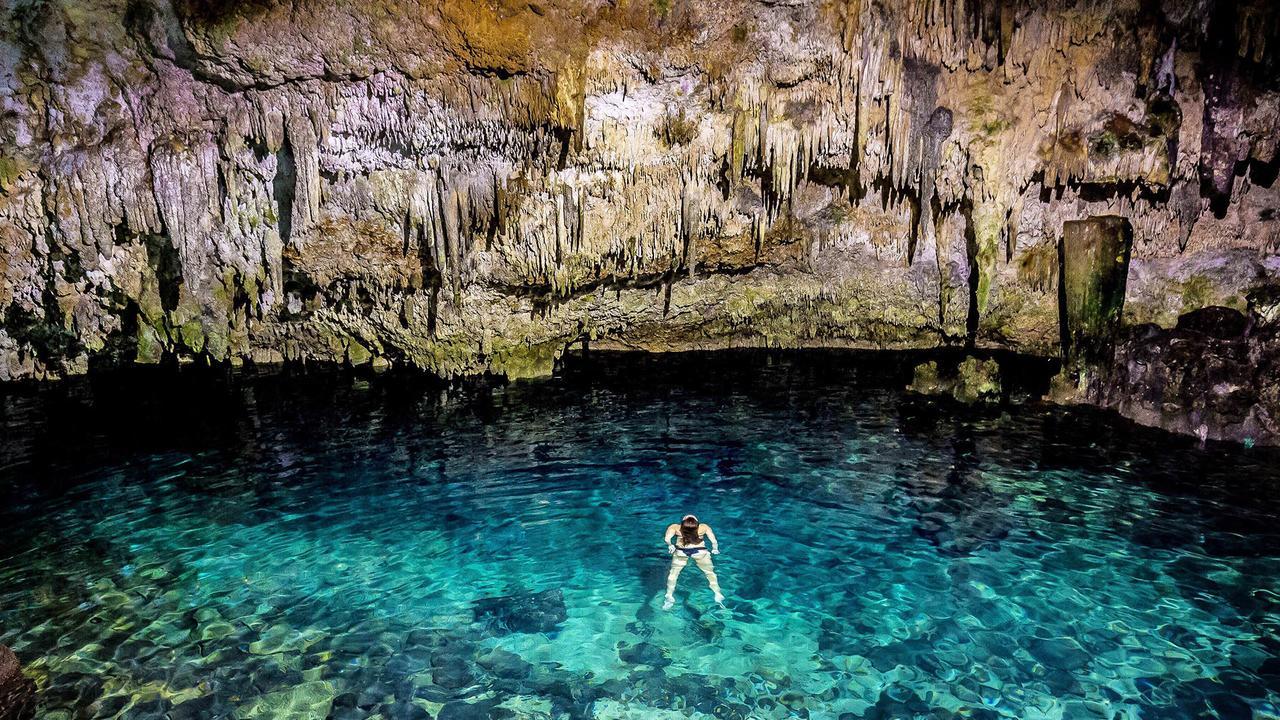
[
  {"x": 704, "y": 528},
  {"x": 673, "y": 527}
]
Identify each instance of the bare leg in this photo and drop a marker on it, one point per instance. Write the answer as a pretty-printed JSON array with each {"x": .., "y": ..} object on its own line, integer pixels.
[
  {"x": 704, "y": 564},
  {"x": 677, "y": 564}
]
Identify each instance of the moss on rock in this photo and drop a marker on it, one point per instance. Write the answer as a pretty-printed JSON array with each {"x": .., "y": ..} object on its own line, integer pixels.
[
  {"x": 974, "y": 380},
  {"x": 977, "y": 381}
]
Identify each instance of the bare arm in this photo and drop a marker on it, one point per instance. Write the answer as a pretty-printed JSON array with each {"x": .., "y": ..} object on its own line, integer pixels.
[
  {"x": 672, "y": 531},
  {"x": 715, "y": 544}
]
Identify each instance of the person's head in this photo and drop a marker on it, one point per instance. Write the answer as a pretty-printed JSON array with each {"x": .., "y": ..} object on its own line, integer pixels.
[{"x": 689, "y": 530}]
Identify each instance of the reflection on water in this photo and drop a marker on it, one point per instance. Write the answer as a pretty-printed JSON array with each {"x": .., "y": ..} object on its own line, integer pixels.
[{"x": 327, "y": 546}]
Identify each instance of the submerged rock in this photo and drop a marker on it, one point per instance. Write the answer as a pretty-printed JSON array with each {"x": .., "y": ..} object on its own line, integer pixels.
[
  {"x": 539, "y": 612},
  {"x": 452, "y": 674},
  {"x": 17, "y": 692},
  {"x": 460, "y": 710},
  {"x": 1060, "y": 653},
  {"x": 643, "y": 653},
  {"x": 504, "y": 664}
]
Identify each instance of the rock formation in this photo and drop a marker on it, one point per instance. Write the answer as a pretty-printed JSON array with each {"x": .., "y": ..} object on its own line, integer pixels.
[
  {"x": 17, "y": 692},
  {"x": 974, "y": 380},
  {"x": 470, "y": 187},
  {"x": 1095, "y": 266},
  {"x": 1214, "y": 375}
]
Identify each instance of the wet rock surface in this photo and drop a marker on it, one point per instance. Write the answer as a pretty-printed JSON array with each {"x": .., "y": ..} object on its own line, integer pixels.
[
  {"x": 17, "y": 692},
  {"x": 1095, "y": 268},
  {"x": 1213, "y": 376},
  {"x": 1214, "y": 322}
]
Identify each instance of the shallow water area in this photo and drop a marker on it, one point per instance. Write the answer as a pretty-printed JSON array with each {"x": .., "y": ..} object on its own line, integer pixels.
[{"x": 329, "y": 545}]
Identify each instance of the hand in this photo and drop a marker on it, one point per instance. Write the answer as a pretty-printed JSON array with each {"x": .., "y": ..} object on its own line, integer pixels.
[
  {"x": 671, "y": 549},
  {"x": 715, "y": 551}
]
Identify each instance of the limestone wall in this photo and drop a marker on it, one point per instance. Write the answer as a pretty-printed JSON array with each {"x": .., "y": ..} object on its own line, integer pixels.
[{"x": 469, "y": 186}]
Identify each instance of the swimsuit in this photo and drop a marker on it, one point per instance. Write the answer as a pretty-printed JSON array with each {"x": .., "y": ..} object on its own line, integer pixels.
[{"x": 691, "y": 551}]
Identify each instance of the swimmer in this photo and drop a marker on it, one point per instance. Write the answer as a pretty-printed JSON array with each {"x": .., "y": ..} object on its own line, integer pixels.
[{"x": 688, "y": 543}]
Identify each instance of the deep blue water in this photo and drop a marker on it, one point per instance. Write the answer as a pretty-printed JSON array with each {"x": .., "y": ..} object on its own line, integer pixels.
[{"x": 326, "y": 545}]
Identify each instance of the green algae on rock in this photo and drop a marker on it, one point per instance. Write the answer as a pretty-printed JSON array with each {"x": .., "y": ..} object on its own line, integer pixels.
[
  {"x": 1095, "y": 268},
  {"x": 973, "y": 380}
]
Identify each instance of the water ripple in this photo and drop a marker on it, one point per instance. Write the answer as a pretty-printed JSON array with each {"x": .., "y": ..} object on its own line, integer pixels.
[{"x": 430, "y": 561}]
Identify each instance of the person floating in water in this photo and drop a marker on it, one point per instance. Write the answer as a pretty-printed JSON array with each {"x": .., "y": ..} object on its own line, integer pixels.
[{"x": 688, "y": 543}]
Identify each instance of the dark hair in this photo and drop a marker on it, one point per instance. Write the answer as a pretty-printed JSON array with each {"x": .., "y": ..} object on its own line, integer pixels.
[{"x": 689, "y": 530}]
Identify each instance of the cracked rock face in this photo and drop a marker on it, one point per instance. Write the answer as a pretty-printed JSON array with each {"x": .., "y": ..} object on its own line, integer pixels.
[
  {"x": 1214, "y": 376},
  {"x": 469, "y": 186}
]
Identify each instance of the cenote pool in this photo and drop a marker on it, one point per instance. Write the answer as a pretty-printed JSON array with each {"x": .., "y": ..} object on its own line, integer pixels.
[{"x": 325, "y": 545}]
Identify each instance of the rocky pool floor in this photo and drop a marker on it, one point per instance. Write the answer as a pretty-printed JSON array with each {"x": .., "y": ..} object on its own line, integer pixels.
[{"x": 330, "y": 546}]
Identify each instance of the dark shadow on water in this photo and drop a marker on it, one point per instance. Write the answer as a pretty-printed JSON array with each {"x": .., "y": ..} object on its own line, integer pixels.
[{"x": 56, "y": 435}]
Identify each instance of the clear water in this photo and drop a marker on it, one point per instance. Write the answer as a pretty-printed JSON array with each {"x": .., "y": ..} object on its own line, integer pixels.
[{"x": 303, "y": 548}]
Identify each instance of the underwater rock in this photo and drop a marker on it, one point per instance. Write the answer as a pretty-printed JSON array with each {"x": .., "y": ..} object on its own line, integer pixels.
[
  {"x": 1059, "y": 653},
  {"x": 897, "y": 701},
  {"x": 539, "y": 612},
  {"x": 409, "y": 661},
  {"x": 404, "y": 711},
  {"x": 17, "y": 692},
  {"x": 634, "y": 709},
  {"x": 643, "y": 653},
  {"x": 505, "y": 664},
  {"x": 452, "y": 673},
  {"x": 460, "y": 710}
]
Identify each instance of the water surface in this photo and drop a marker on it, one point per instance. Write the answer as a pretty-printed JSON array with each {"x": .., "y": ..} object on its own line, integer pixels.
[{"x": 374, "y": 547}]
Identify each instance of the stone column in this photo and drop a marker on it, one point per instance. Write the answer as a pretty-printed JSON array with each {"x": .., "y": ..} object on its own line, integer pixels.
[
  {"x": 1095, "y": 266},
  {"x": 17, "y": 692}
]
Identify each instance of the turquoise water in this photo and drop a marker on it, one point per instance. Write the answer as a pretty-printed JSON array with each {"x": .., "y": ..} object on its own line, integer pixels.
[{"x": 350, "y": 548}]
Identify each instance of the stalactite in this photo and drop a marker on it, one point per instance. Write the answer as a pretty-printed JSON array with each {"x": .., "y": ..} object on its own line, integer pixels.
[{"x": 627, "y": 158}]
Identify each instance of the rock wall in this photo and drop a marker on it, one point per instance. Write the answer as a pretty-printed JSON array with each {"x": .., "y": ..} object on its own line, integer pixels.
[
  {"x": 470, "y": 186},
  {"x": 1215, "y": 375}
]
